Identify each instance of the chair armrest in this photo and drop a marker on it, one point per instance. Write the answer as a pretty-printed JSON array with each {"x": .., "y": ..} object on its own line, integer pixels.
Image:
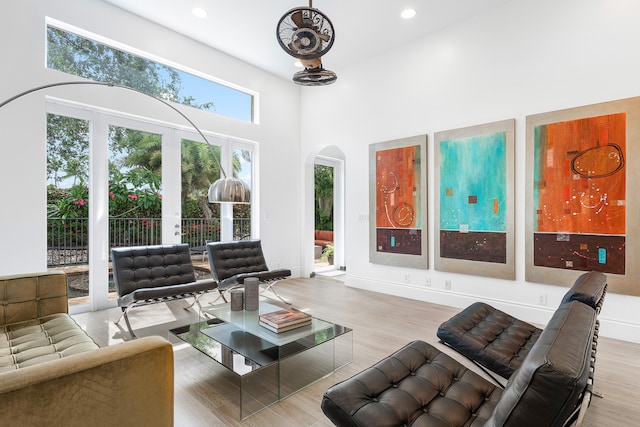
[{"x": 129, "y": 383}]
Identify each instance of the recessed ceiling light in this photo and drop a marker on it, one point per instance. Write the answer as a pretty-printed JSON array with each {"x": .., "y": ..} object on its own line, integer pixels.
[
  {"x": 408, "y": 13},
  {"x": 199, "y": 12}
]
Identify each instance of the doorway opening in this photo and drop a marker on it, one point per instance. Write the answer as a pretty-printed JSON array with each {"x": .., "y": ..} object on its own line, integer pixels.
[
  {"x": 328, "y": 215},
  {"x": 323, "y": 240}
]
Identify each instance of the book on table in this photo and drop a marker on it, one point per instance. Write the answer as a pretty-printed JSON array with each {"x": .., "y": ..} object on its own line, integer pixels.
[
  {"x": 285, "y": 318},
  {"x": 277, "y": 330}
]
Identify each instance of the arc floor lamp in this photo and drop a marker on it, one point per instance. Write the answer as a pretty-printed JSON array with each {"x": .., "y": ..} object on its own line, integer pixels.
[{"x": 227, "y": 189}]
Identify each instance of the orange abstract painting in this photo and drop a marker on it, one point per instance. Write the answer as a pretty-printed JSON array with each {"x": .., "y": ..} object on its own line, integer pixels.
[
  {"x": 398, "y": 216},
  {"x": 579, "y": 193}
]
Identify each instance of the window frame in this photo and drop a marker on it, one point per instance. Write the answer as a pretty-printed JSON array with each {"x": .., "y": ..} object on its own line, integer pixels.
[
  {"x": 172, "y": 134},
  {"x": 60, "y": 25}
]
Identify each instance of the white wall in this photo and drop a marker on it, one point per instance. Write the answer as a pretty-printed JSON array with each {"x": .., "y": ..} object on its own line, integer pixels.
[
  {"x": 522, "y": 58},
  {"x": 22, "y": 141},
  {"x": 525, "y": 57}
]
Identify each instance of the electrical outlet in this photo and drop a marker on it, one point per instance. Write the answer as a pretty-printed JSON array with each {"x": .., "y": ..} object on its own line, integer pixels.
[
  {"x": 542, "y": 299},
  {"x": 427, "y": 282},
  {"x": 447, "y": 285},
  {"x": 407, "y": 278}
]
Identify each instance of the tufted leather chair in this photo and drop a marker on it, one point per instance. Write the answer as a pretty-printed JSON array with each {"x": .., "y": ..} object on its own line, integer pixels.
[
  {"x": 500, "y": 342},
  {"x": 152, "y": 274},
  {"x": 419, "y": 385},
  {"x": 233, "y": 262}
]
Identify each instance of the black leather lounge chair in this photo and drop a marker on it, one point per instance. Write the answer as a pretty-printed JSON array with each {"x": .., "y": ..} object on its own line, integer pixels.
[
  {"x": 233, "y": 262},
  {"x": 153, "y": 274}
]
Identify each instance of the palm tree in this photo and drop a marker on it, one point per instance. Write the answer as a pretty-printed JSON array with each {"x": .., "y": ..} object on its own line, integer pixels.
[{"x": 199, "y": 170}]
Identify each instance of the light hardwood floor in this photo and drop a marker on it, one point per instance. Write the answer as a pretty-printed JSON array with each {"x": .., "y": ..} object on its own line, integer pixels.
[{"x": 205, "y": 394}]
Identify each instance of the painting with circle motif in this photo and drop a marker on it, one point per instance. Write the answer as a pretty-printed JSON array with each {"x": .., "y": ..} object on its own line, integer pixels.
[
  {"x": 399, "y": 193},
  {"x": 474, "y": 207},
  {"x": 579, "y": 209}
]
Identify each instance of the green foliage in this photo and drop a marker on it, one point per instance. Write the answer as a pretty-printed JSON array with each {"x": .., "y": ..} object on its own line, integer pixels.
[
  {"x": 72, "y": 54},
  {"x": 199, "y": 170},
  {"x": 68, "y": 203},
  {"x": 327, "y": 252},
  {"x": 323, "y": 197},
  {"x": 67, "y": 149},
  {"x": 135, "y": 193},
  {"x": 191, "y": 209},
  {"x": 135, "y": 158}
]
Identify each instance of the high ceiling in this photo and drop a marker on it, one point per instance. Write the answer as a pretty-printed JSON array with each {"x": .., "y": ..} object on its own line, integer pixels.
[{"x": 246, "y": 29}]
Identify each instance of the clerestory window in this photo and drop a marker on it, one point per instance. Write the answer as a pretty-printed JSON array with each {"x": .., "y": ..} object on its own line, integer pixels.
[{"x": 84, "y": 57}]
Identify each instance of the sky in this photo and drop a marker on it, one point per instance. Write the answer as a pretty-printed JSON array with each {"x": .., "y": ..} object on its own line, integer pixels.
[{"x": 228, "y": 102}]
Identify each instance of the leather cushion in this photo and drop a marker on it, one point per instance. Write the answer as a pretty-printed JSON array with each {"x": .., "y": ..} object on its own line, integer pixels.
[
  {"x": 491, "y": 337},
  {"x": 232, "y": 262},
  {"x": 149, "y": 272},
  {"x": 590, "y": 288},
  {"x": 186, "y": 289},
  {"x": 30, "y": 296},
  {"x": 417, "y": 385},
  {"x": 230, "y": 258},
  {"x": 547, "y": 387},
  {"x": 37, "y": 341},
  {"x": 262, "y": 276}
]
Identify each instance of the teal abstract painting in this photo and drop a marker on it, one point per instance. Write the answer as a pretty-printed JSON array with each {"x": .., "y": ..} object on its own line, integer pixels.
[{"x": 473, "y": 197}]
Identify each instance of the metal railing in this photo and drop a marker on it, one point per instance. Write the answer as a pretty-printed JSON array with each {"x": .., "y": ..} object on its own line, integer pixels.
[{"x": 68, "y": 239}]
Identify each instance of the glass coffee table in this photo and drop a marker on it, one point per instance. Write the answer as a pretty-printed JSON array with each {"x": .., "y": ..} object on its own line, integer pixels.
[{"x": 268, "y": 366}]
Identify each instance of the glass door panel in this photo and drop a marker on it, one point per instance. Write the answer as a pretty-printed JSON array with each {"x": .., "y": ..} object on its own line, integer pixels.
[
  {"x": 68, "y": 203},
  {"x": 242, "y": 169},
  {"x": 135, "y": 189},
  {"x": 324, "y": 213},
  {"x": 200, "y": 219}
]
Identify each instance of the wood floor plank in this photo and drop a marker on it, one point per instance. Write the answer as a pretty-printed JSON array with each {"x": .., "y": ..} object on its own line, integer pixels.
[{"x": 206, "y": 394}]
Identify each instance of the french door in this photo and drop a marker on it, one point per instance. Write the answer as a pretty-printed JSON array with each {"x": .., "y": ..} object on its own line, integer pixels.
[{"x": 117, "y": 204}]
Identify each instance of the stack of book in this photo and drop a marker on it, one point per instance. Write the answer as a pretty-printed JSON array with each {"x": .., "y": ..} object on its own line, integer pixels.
[{"x": 284, "y": 320}]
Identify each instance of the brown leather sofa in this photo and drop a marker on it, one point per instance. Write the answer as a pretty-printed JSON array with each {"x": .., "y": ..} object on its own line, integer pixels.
[
  {"x": 423, "y": 386},
  {"x": 323, "y": 237},
  {"x": 53, "y": 374}
]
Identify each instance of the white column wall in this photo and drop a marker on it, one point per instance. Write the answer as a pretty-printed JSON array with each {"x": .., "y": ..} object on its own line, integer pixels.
[
  {"x": 23, "y": 130},
  {"x": 525, "y": 57}
]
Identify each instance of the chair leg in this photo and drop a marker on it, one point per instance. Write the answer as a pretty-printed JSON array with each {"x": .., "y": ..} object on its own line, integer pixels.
[
  {"x": 269, "y": 287},
  {"x": 126, "y": 320},
  {"x": 120, "y": 318},
  {"x": 221, "y": 295},
  {"x": 196, "y": 300}
]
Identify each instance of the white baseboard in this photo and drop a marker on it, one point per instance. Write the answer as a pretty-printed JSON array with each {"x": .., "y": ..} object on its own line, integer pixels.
[{"x": 538, "y": 315}]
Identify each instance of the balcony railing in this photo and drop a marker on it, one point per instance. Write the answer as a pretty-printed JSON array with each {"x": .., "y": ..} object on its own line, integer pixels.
[{"x": 68, "y": 239}]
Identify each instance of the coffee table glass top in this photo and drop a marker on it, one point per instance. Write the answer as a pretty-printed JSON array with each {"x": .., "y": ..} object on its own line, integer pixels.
[
  {"x": 240, "y": 332},
  {"x": 269, "y": 366},
  {"x": 249, "y": 322}
]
